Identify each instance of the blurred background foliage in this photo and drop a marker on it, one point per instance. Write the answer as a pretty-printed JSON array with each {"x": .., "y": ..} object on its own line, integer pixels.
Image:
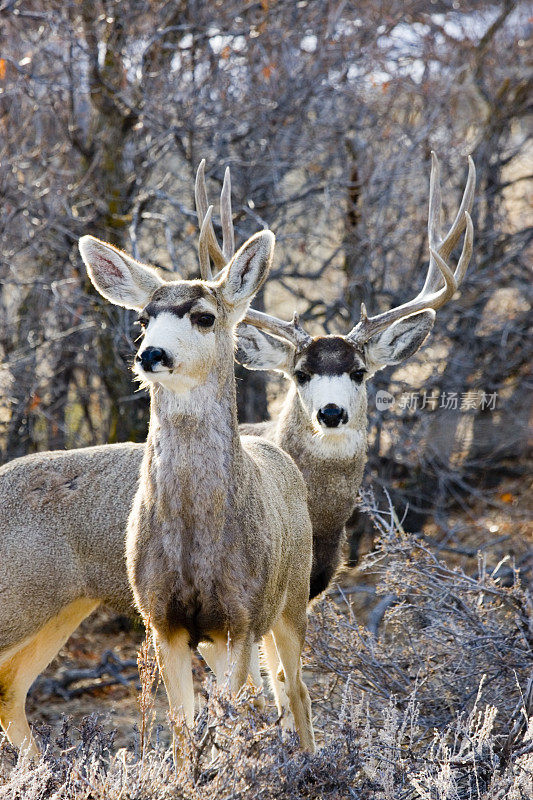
[{"x": 326, "y": 112}]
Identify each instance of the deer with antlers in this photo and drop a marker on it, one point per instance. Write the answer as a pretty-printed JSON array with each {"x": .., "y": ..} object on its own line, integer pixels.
[
  {"x": 61, "y": 551},
  {"x": 323, "y": 420}
]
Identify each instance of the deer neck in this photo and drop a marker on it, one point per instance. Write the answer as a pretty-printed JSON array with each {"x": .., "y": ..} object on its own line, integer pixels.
[
  {"x": 332, "y": 472},
  {"x": 193, "y": 453}
]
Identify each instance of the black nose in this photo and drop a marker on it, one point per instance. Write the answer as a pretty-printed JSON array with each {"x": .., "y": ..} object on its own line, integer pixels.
[
  {"x": 331, "y": 416},
  {"x": 151, "y": 357}
]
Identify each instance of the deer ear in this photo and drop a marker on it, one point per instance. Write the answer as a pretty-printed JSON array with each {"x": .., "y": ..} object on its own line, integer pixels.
[
  {"x": 399, "y": 341},
  {"x": 247, "y": 271},
  {"x": 118, "y": 277},
  {"x": 258, "y": 350}
]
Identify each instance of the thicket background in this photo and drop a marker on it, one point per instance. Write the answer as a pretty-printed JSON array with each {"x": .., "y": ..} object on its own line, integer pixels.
[{"x": 326, "y": 112}]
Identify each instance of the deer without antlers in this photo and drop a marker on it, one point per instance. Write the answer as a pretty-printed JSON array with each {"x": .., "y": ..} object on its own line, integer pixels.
[{"x": 219, "y": 541}]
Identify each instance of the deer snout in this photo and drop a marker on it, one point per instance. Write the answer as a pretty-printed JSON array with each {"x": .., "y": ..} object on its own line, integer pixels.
[
  {"x": 151, "y": 357},
  {"x": 331, "y": 415}
]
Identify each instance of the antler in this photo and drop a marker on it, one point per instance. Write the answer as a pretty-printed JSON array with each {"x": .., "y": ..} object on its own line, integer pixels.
[
  {"x": 228, "y": 238},
  {"x": 440, "y": 249},
  {"x": 292, "y": 331},
  {"x": 208, "y": 245},
  {"x": 431, "y": 295}
]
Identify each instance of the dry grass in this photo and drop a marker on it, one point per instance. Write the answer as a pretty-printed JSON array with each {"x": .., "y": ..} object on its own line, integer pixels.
[{"x": 436, "y": 704}]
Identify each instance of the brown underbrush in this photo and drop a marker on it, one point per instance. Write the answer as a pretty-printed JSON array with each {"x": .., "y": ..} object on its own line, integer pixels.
[{"x": 432, "y": 699}]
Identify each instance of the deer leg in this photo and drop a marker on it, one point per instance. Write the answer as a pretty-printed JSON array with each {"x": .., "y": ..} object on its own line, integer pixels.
[
  {"x": 232, "y": 660},
  {"x": 271, "y": 656},
  {"x": 174, "y": 659},
  {"x": 208, "y": 651},
  {"x": 22, "y": 666},
  {"x": 209, "y": 654},
  {"x": 231, "y": 663},
  {"x": 13, "y": 717},
  {"x": 255, "y": 674},
  {"x": 289, "y": 643}
]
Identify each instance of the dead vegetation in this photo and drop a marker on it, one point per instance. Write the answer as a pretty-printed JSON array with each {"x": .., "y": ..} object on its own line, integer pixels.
[
  {"x": 420, "y": 673},
  {"x": 435, "y": 704}
]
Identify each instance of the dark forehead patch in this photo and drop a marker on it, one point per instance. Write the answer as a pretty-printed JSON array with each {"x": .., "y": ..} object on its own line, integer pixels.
[
  {"x": 176, "y": 298},
  {"x": 330, "y": 355}
]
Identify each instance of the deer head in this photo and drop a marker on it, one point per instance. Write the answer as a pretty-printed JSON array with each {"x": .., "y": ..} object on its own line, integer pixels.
[
  {"x": 187, "y": 325},
  {"x": 330, "y": 372}
]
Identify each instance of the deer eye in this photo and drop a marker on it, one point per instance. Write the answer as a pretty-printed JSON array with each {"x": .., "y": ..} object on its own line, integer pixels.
[
  {"x": 203, "y": 320},
  {"x": 357, "y": 375},
  {"x": 302, "y": 377}
]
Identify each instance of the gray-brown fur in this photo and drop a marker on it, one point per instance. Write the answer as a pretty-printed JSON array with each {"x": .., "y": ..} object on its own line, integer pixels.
[
  {"x": 332, "y": 490},
  {"x": 219, "y": 540},
  {"x": 202, "y": 550},
  {"x": 329, "y": 355},
  {"x": 62, "y": 533},
  {"x": 332, "y": 483},
  {"x": 216, "y": 515},
  {"x": 333, "y": 473}
]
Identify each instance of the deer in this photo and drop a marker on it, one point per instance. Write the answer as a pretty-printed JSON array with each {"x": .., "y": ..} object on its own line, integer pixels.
[
  {"x": 323, "y": 420},
  {"x": 219, "y": 540},
  {"x": 64, "y": 546}
]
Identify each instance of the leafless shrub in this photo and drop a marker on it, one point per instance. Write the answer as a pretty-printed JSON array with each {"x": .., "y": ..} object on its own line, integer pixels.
[
  {"x": 446, "y": 684},
  {"x": 437, "y": 704},
  {"x": 149, "y": 675}
]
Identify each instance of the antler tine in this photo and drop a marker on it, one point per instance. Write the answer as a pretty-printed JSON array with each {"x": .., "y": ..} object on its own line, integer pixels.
[
  {"x": 228, "y": 237},
  {"x": 291, "y": 331},
  {"x": 466, "y": 253},
  {"x": 467, "y": 202},
  {"x": 431, "y": 297},
  {"x": 452, "y": 280},
  {"x": 200, "y": 195},
  {"x": 444, "y": 247},
  {"x": 435, "y": 203},
  {"x": 203, "y": 247}
]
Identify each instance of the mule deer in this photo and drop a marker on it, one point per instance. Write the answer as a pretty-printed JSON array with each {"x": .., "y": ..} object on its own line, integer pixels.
[
  {"x": 61, "y": 551},
  {"x": 219, "y": 541},
  {"x": 323, "y": 421}
]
